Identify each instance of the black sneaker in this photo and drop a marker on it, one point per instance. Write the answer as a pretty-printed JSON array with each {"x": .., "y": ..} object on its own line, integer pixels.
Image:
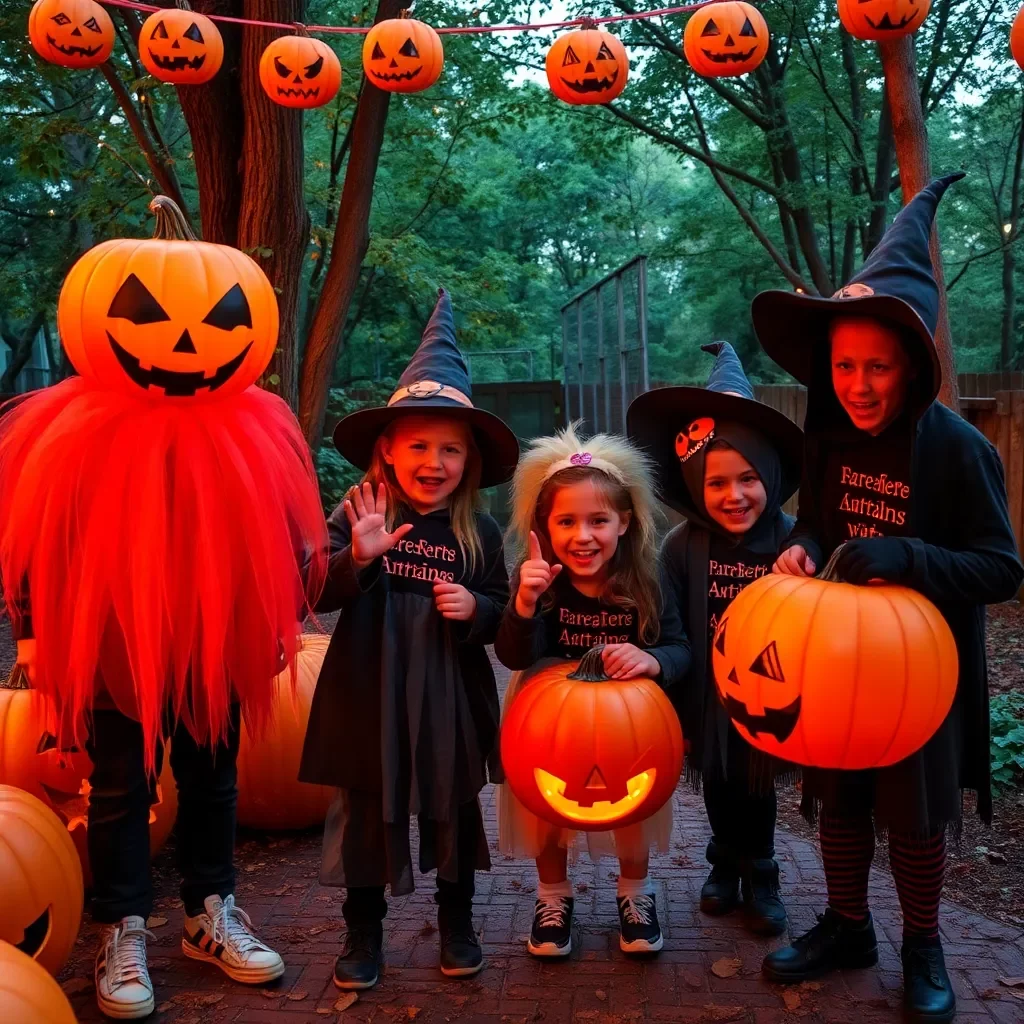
[
  {"x": 927, "y": 992},
  {"x": 720, "y": 894},
  {"x": 359, "y": 964},
  {"x": 765, "y": 911},
  {"x": 835, "y": 941},
  {"x": 551, "y": 934},
  {"x": 461, "y": 954},
  {"x": 639, "y": 931}
]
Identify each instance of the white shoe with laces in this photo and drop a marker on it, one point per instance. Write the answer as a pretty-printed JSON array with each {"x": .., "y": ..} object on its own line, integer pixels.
[
  {"x": 223, "y": 936},
  {"x": 123, "y": 988}
]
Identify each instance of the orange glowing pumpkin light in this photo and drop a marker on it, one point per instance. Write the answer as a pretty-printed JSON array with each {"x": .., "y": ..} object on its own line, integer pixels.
[
  {"x": 1017, "y": 38},
  {"x": 402, "y": 55},
  {"x": 300, "y": 71},
  {"x": 180, "y": 46},
  {"x": 727, "y": 39},
  {"x": 72, "y": 33},
  {"x": 28, "y": 995},
  {"x": 882, "y": 19},
  {"x": 587, "y": 66}
]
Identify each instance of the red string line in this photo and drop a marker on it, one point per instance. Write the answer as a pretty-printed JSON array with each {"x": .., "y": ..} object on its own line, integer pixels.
[{"x": 454, "y": 30}]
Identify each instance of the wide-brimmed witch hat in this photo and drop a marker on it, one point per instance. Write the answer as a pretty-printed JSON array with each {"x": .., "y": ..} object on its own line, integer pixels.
[
  {"x": 895, "y": 285},
  {"x": 436, "y": 381},
  {"x": 674, "y": 423}
]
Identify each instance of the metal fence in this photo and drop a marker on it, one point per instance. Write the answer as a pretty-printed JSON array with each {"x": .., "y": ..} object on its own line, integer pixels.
[{"x": 604, "y": 348}]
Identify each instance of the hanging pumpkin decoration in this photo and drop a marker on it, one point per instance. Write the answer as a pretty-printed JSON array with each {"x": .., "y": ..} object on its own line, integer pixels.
[
  {"x": 28, "y": 995},
  {"x": 1017, "y": 38},
  {"x": 269, "y": 793},
  {"x": 300, "y": 71},
  {"x": 168, "y": 317},
  {"x": 402, "y": 55},
  {"x": 882, "y": 19},
  {"x": 726, "y": 39},
  {"x": 583, "y": 751},
  {"x": 41, "y": 890},
  {"x": 181, "y": 47},
  {"x": 832, "y": 675},
  {"x": 72, "y": 33},
  {"x": 587, "y": 65}
]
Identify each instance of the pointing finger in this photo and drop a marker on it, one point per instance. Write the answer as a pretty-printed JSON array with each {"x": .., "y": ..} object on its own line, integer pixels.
[{"x": 535, "y": 552}]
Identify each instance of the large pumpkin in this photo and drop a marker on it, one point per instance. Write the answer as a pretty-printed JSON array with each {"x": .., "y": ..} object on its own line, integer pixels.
[
  {"x": 1017, "y": 38},
  {"x": 726, "y": 39},
  {"x": 833, "y": 675},
  {"x": 168, "y": 317},
  {"x": 269, "y": 793},
  {"x": 402, "y": 55},
  {"x": 180, "y": 46},
  {"x": 300, "y": 71},
  {"x": 584, "y": 751},
  {"x": 587, "y": 65},
  {"x": 41, "y": 891},
  {"x": 882, "y": 19},
  {"x": 72, "y": 33},
  {"x": 28, "y": 995}
]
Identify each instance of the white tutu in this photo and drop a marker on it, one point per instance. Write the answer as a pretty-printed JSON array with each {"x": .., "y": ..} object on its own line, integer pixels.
[{"x": 522, "y": 834}]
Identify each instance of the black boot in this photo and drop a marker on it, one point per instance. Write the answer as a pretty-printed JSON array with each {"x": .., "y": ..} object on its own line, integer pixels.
[
  {"x": 927, "y": 992},
  {"x": 360, "y": 961},
  {"x": 720, "y": 894},
  {"x": 765, "y": 911},
  {"x": 834, "y": 942},
  {"x": 461, "y": 954}
]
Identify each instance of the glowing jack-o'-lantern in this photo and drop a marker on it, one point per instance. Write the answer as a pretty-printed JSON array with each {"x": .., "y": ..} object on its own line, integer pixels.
[
  {"x": 299, "y": 71},
  {"x": 584, "y": 751},
  {"x": 833, "y": 675},
  {"x": 402, "y": 55},
  {"x": 180, "y": 46},
  {"x": 28, "y": 995},
  {"x": 588, "y": 65},
  {"x": 727, "y": 39},
  {"x": 882, "y": 19},
  {"x": 694, "y": 437},
  {"x": 168, "y": 317},
  {"x": 41, "y": 891},
  {"x": 1017, "y": 38},
  {"x": 72, "y": 33}
]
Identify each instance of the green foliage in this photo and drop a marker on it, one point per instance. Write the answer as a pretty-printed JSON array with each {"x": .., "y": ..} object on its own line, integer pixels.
[{"x": 1007, "y": 718}]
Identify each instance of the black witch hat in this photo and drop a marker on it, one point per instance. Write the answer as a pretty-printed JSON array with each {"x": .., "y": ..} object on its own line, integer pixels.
[
  {"x": 895, "y": 285},
  {"x": 436, "y": 381}
]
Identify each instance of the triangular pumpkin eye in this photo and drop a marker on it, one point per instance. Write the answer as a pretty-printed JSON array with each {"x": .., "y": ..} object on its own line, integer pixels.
[
  {"x": 193, "y": 33},
  {"x": 604, "y": 53},
  {"x": 748, "y": 29},
  {"x": 711, "y": 29},
  {"x": 720, "y": 639},
  {"x": 160, "y": 32},
  {"x": 767, "y": 664},
  {"x": 282, "y": 69},
  {"x": 46, "y": 742},
  {"x": 570, "y": 57},
  {"x": 378, "y": 53},
  {"x": 232, "y": 311},
  {"x": 135, "y": 302},
  {"x": 61, "y": 19},
  {"x": 732, "y": 677},
  {"x": 409, "y": 49},
  {"x": 93, "y": 25},
  {"x": 314, "y": 69}
]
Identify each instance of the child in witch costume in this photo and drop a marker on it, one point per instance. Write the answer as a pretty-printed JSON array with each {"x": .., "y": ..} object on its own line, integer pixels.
[
  {"x": 585, "y": 512},
  {"x": 726, "y": 462},
  {"x": 404, "y": 720},
  {"x": 916, "y": 497}
]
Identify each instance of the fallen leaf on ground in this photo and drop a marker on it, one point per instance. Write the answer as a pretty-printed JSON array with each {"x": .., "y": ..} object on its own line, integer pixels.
[
  {"x": 412, "y": 1012},
  {"x": 345, "y": 1001},
  {"x": 791, "y": 999},
  {"x": 601, "y": 994},
  {"x": 1012, "y": 982},
  {"x": 318, "y": 930},
  {"x": 297, "y": 996},
  {"x": 164, "y": 1007},
  {"x": 1017, "y": 994},
  {"x": 212, "y": 999},
  {"x": 428, "y": 928},
  {"x": 269, "y": 993},
  {"x": 73, "y": 986},
  {"x": 810, "y": 986},
  {"x": 155, "y": 921},
  {"x": 323, "y": 1011},
  {"x": 991, "y": 993},
  {"x": 727, "y": 967}
]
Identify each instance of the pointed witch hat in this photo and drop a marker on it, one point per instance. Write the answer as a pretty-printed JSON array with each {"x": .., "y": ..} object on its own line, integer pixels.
[{"x": 436, "y": 382}]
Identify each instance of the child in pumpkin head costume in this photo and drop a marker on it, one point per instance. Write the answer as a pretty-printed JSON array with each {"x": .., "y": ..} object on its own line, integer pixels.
[
  {"x": 916, "y": 495},
  {"x": 404, "y": 720},
  {"x": 726, "y": 462}
]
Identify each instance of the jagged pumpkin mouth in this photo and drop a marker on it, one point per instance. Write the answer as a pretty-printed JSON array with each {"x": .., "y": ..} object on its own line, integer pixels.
[
  {"x": 36, "y": 935},
  {"x": 73, "y": 51},
  {"x": 777, "y": 722},
  {"x": 593, "y": 84},
  {"x": 304, "y": 93},
  {"x": 396, "y": 76},
  {"x": 886, "y": 24},
  {"x": 729, "y": 58},
  {"x": 178, "y": 63},
  {"x": 552, "y": 788},
  {"x": 177, "y": 383}
]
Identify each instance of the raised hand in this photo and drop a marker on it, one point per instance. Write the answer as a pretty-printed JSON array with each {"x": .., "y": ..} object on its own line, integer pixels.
[
  {"x": 535, "y": 576},
  {"x": 367, "y": 517},
  {"x": 795, "y": 561},
  {"x": 627, "y": 661},
  {"x": 454, "y": 601}
]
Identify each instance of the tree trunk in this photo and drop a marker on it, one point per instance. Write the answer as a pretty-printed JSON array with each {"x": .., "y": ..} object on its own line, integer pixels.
[
  {"x": 1008, "y": 356},
  {"x": 911, "y": 140},
  {"x": 883, "y": 175},
  {"x": 21, "y": 350}
]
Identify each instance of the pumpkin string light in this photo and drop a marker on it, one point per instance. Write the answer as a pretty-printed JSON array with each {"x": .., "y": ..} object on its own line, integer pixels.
[
  {"x": 181, "y": 47},
  {"x": 402, "y": 54}
]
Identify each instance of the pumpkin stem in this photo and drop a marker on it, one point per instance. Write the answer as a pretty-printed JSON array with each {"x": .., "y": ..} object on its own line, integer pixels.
[
  {"x": 829, "y": 572},
  {"x": 591, "y": 667},
  {"x": 171, "y": 225},
  {"x": 17, "y": 678},
  {"x": 405, "y": 13},
  {"x": 588, "y": 23},
  {"x": 183, "y": 5}
]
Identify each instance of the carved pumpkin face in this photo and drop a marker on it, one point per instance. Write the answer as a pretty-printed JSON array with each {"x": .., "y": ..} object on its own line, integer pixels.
[
  {"x": 586, "y": 752},
  {"x": 72, "y": 33},
  {"x": 831, "y": 675},
  {"x": 181, "y": 47},
  {"x": 727, "y": 39},
  {"x": 299, "y": 71},
  {"x": 168, "y": 317},
  {"x": 28, "y": 995},
  {"x": 41, "y": 891},
  {"x": 402, "y": 55},
  {"x": 588, "y": 65},
  {"x": 882, "y": 19},
  {"x": 694, "y": 437}
]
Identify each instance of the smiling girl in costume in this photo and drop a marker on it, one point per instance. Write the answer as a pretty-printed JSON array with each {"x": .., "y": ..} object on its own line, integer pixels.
[
  {"x": 404, "y": 721},
  {"x": 726, "y": 462},
  {"x": 585, "y": 513}
]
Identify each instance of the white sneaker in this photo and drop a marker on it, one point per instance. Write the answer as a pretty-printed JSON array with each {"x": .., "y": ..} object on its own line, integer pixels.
[
  {"x": 123, "y": 988},
  {"x": 223, "y": 936}
]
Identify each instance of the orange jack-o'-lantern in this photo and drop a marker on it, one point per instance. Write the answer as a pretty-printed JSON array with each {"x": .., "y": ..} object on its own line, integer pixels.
[
  {"x": 41, "y": 891},
  {"x": 28, "y": 995},
  {"x": 727, "y": 39},
  {"x": 299, "y": 71},
  {"x": 833, "y": 675},
  {"x": 180, "y": 46},
  {"x": 1017, "y": 38},
  {"x": 168, "y": 317},
  {"x": 694, "y": 437},
  {"x": 402, "y": 55},
  {"x": 72, "y": 33},
  {"x": 588, "y": 65},
  {"x": 882, "y": 19},
  {"x": 584, "y": 751}
]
